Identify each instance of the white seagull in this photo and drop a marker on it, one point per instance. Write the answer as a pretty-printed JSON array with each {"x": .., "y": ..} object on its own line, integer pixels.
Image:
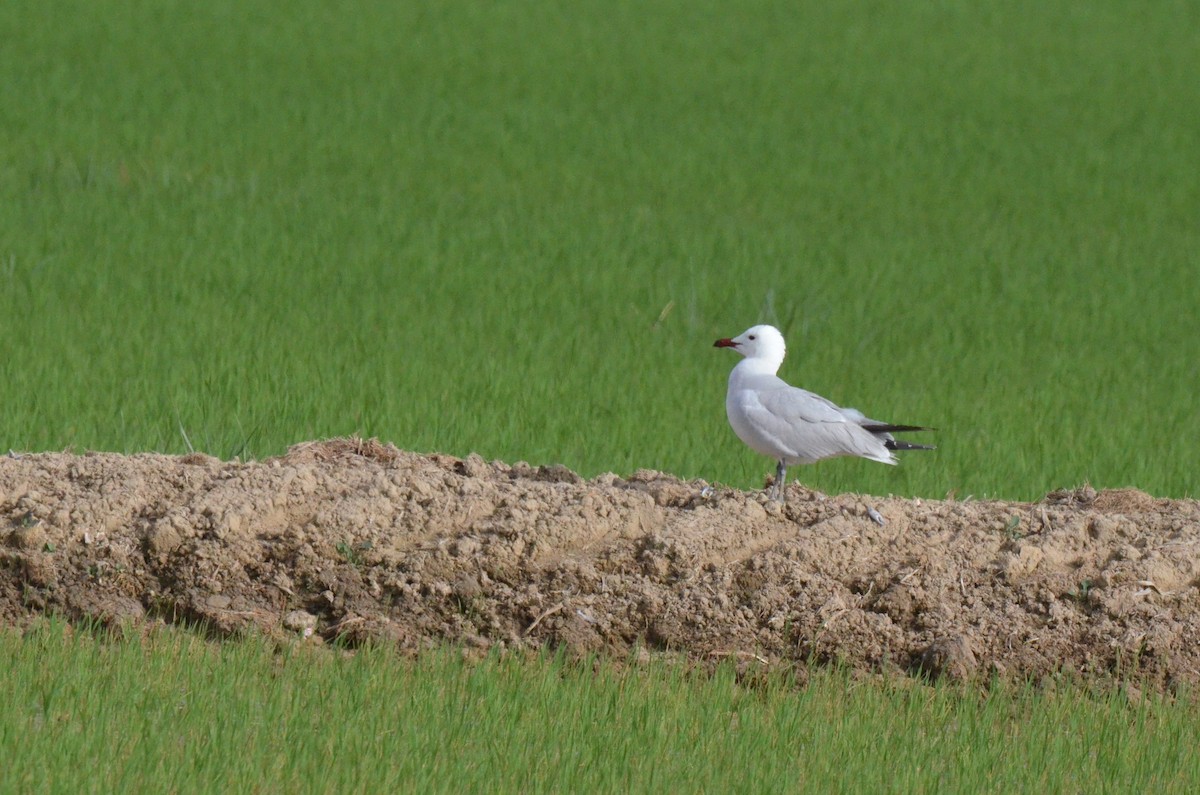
[{"x": 795, "y": 426}]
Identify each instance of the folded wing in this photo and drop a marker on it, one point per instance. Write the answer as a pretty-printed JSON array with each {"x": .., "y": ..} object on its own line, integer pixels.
[{"x": 811, "y": 427}]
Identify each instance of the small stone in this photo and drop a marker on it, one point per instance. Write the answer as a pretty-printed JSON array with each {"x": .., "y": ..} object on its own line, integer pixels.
[
  {"x": 30, "y": 538},
  {"x": 39, "y": 570},
  {"x": 466, "y": 547},
  {"x": 467, "y": 586},
  {"x": 606, "y": 479},
  {"x": 1126, "y": 552},
  {"x": 1015, "y": 565},
  {"x": 757, "y": 513},
  {"x": 473, "y": 466},
  {"x": 162, "y": 540},
  {"x": 949, "y": 657},
  {"x": 1104, "y": 528},
  {"x": 300, "y": 621},
  {"x": 203, "y": 460},
  {"x": 557, "y": 473}
]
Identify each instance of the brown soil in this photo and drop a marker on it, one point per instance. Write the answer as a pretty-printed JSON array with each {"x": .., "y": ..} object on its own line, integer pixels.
[{"x": 353, "y": 539}]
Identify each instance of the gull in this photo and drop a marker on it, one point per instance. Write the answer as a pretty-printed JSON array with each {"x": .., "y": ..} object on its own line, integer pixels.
[{"x": 792, "y": 425}]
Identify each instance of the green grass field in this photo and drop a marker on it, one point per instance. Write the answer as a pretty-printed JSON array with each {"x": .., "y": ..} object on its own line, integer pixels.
[
  {"x": 516, "y": 230},
  {"x": 244, "y": 718}
]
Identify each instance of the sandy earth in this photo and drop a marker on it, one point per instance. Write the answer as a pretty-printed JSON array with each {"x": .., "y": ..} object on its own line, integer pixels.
[{"x": 353, "y": 539}]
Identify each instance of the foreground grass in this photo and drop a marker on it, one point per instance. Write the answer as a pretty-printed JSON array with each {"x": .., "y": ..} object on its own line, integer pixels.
[
  {"x": 516, "y": 229},
  {"x": 174, "y": 714}
]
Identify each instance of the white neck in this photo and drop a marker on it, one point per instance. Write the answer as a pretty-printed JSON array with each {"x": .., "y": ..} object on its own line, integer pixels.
[{"x": 759, "y": 365}]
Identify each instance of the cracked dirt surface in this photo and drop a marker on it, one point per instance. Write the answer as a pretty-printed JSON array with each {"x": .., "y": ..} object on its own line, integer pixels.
[{"x": 353, "y": 539}]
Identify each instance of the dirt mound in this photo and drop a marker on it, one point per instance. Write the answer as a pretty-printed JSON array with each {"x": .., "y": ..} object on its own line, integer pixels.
[{"x": 355, "y": 539}]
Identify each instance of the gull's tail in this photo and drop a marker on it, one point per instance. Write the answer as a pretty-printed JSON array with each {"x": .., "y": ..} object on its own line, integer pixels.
[{"x": 886, "y": 430}]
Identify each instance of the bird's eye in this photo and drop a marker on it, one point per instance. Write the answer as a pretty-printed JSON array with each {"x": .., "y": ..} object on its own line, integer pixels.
[{"x": 750, "y": 337}]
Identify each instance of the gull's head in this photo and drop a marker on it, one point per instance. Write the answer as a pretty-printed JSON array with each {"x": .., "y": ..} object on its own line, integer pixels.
[{"x": 759, "y": 342}]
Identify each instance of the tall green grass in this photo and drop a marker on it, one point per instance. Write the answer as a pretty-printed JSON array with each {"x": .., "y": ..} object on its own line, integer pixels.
[
  {"x": 516, "y": 229},
  {"x": 173, "y": 714}
]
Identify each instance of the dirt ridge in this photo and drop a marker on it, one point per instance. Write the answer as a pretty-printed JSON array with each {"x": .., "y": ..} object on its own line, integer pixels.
[{"x": 354, "y": 539}]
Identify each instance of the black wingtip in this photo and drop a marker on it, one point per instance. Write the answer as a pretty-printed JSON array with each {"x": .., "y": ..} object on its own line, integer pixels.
[
  {"x": 900, "y": 444},
  {"x": 884, "y": 427}
]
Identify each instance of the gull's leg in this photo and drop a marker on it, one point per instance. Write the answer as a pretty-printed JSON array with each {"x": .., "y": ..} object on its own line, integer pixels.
[{"x": 780, "y": 480}]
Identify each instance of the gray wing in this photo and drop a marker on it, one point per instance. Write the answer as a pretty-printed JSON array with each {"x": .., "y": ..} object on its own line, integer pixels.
[
  {"x": 795, "y": 404},
  {"x": 813, "y": 427}
]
